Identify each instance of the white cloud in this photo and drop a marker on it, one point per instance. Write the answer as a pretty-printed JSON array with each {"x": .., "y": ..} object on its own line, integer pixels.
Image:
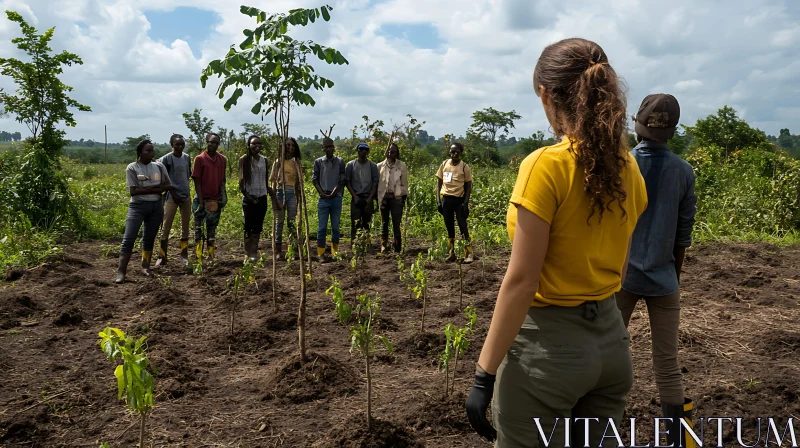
[
  {"x": 688, "y": 85},
  {"x": 137, "y": 85}
]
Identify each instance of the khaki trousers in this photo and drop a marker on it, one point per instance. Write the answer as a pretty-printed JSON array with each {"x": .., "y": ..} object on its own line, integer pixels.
[
  {"x": 664, "y": 313},
  {"x": 170, "y": 210}
]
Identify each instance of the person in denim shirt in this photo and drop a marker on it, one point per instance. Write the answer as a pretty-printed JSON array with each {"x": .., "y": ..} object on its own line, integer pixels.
[
  {"x": 659, "y": 242},
  {"x": 329, "y": 180}
]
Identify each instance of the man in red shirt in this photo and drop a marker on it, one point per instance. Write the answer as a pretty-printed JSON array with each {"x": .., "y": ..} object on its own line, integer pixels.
[{"x": 210, "y": 196}]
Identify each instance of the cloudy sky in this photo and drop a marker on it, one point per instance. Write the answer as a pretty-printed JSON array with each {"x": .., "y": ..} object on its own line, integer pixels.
[{"x": 438, "y": 60}]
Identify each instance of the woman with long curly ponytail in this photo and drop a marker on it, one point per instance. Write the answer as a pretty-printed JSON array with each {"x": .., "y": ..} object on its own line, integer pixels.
[{"x": 557, "y": 346}]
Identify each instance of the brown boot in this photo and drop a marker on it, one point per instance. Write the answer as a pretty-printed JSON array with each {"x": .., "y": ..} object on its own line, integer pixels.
[{"x": 122, "y": 268}]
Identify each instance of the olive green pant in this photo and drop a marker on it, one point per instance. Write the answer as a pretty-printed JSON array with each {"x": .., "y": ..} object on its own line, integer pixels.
[{"x": 565, "y": 363}]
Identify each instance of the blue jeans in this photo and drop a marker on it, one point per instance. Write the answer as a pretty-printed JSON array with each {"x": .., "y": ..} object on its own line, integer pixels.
[
  {"x": 325, "y": 208},
  {"x": 149, "y": 213},
  {"x": 290, "y": 206}
]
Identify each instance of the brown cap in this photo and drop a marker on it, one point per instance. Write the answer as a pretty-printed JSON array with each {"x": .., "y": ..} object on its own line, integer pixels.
[{"x": 658, "y": 117}]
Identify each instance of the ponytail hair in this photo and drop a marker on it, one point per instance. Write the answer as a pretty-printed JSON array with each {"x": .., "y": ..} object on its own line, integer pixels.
[{"x": 587, "y": 94}]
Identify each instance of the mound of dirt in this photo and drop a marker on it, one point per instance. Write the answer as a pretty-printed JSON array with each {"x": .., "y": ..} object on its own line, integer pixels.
[
  {"x": 157, "y": 295},
  {"x": 422, "y": 345},
  {"x": 166, "y": 324},
  {"x": 72, "y": 281},
  {"x": 14, "y": 308},
  {"x": 385, "y": 324},
  {"x": 72, "y": 317},
  {"x": 14, "y": 274},
  {"x": 281, "y": 322},
  {"x": 245, "y": 339},
  {"x": 25, "y": 427},
  {"x": 777, "y": 343},
  {"x": 320, "y": 377},
  {"x": 439, "y": 412},
  {"x": 168, "y": 363},
  {"x": 353, "y": 433}
]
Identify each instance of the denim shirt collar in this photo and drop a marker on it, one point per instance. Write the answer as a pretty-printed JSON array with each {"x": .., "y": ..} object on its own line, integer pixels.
[{"x": 651, "y": 146}]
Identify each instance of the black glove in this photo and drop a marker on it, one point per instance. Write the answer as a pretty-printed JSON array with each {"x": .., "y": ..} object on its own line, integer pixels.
[
  {"x": 441, "y": 209},
  {"x": 478, "y": 403},
  {"x": 465, "y": 208}
]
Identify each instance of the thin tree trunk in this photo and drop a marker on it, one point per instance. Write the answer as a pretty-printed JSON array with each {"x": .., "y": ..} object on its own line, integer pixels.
[
  {"x": 369, "y": 398},
  {"x": 424, "y": 301},
  {"x": 274, "y": 248},
  {"x": 446, "y": 379},
  {"x": 460, "y": 286},
  {"x": 141, "y": 430},
  {"x": 301, "y": 316},
  {"x": 405, "y": 230},
  {"x": 455, "y": 369},
  {"x": 308, "y": 236},
  {"x": 233, "y": 312}
]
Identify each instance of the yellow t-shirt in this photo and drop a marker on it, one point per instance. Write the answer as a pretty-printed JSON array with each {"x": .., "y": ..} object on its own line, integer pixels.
[
  {"x": 453, "y": 177},
  {"x": 584, "y": 260},
  {"x": 289, "y": 172}
]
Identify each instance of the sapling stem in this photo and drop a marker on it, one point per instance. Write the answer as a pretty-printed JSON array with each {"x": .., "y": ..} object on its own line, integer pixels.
[{"x": 141, "y": 430}]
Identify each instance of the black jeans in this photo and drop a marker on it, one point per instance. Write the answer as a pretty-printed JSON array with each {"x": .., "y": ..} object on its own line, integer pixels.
[
  {"x": 392, "y": 209},
  {"x": 360, "y": 215},
  {"x": 253, "y": 215},
  {"x": 149, "y": 213},
  {"x": 452, "y": 205}
]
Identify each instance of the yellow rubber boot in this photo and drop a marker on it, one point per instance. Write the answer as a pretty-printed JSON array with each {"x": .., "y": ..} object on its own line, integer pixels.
[
  {"x": 678, "y": 413},
  {"x": 468, "y": 254},
  {"x": 147, "y": 255},
  {"x": 185, "y": 252},
  {"x": 334, "y": 249},
  {"x": 451, "y": 250},
  {"x": 211, "y": 251},
  {"x": 320, "y": 252},
  {"x": 384, "y": 243},
  {"x": 162, "y": 253}
]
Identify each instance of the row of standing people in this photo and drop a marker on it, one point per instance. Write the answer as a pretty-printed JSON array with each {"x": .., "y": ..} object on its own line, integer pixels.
[{"x": 160, "y": 188}]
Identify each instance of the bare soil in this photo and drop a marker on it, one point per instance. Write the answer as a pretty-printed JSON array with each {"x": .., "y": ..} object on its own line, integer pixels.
[{"x": 739, "y": 350}]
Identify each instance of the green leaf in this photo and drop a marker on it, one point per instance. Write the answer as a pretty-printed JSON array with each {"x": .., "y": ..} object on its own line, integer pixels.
[
  {"x": 256, "y": 109},
  {"x": 386, "y": 343},
  {"x": 234, "y": 99},
  {"x": 120, "y": 374},
  {"x": 325, "y": 14},
  {"x": 339, "y": 59},
  {"x": 249, "y": 11},
  {"x": 247, "y": 43}
]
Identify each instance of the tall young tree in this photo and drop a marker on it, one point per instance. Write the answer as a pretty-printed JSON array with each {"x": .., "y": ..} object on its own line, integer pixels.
[
  {"x": 277, "y": 65},
  {"x": 488, "y": 123},
  {"x": 200, "y": 126},
  {"x": 41, "y": 101},
  {"x": 38, "y": 188}
]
